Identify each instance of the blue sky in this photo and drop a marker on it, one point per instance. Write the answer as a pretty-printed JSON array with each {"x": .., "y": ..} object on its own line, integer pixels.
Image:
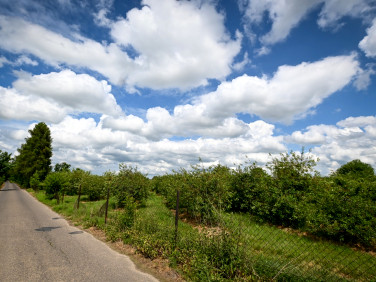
[{"x": 160, "y": 84}]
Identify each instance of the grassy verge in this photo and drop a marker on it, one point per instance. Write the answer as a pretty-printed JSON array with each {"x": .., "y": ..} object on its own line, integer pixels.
[
  {"x": 236, "y": 249},
  {"x": 89, "y": 213}
]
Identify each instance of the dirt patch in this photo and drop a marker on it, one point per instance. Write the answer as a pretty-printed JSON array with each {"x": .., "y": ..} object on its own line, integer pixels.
[{"x": 159, "y": 268}]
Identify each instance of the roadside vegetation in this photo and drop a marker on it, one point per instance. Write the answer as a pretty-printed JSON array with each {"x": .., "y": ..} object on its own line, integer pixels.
[
  {"x": 287, "y": 223},
  {"x": 284, "y": 222}
]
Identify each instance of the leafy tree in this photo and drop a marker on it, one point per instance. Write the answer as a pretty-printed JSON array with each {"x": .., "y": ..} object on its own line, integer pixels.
[
  {"x": 92, "y": 186},
  {"x": 5, "y": 165},
  {"x": 356, "y": 169},
  {"x": 62, "y": 167},
  {"x": 129, "y": 182},
  {"x": 34, "y": 155},
  {"x": 55, "y": 183}
]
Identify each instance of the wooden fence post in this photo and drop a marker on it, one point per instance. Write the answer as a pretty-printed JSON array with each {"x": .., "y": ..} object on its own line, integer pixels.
[
  {"x": 177, "y": 217},
  {"x": 108, "y": 197},
  {"x": 79, "y": 196}
]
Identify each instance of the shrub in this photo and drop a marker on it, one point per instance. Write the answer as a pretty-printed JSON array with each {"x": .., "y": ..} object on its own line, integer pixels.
[
  {"x": 93, "y": 186},
  {"x": 356, "y": 169},
  {"x": 54, "y": 183},
  {"x": 250, "y": 189},
  {"x": 204, "y": 191},
  {"x": 126, "y": 218},
  {"x": 129, "y": 182},
  {"x": 35, "y": 181}
]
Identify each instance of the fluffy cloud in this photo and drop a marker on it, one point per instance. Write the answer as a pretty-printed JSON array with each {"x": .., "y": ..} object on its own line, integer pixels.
[
  {"x": 79, "y": 92},
  {"x": 368, "y": 43},
  {"x": 285, "y": 15},
  {"x": 187, "y": 41},
  {"x": 334, "y": 10},
  {"x": 50, "y": 97},
  {"x": 166, "y": 44},
  {"x": 290, "y": 94},
  {"x": 352, "y": 138},
  {"x": 3, "y": 61},
  {"x": 88, "y": 144},
  {"x": 20, "y": 36},
  {"x": 19, "y": 107}
]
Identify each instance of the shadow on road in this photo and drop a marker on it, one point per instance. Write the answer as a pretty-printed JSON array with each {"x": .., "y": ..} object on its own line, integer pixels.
[
  {"x": 76, "y": 232},
  {"x": 8, "y": 189},
  {"x": 47, "y": 228}
]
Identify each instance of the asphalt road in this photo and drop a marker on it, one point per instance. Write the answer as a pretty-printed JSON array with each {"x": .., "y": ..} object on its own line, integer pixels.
[{"x": 36, "y": 244}]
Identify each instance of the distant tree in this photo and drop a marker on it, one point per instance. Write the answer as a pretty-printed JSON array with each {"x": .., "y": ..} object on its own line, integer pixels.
[
  {"x": 356, "y": 169},
  {"x": 5, "y": 165},
  {"x": 34, "y": 155},
  {"x": 62, "y": 167}
]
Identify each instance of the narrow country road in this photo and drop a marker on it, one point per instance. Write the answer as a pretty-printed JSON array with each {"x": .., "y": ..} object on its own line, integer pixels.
[{"x": 36, "y": 244}]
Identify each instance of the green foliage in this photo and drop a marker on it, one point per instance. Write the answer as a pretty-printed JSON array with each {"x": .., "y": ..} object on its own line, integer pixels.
[
  {"x": 126, "y": 218},
  {"x": 34, "y": 155},
  {"x": 55, "y": 183},
  {"x": 356, "y": 169},
  {"x": 236, "y": 249},
  {"x": 203, "y": 191},
  {"x": 62, "y": 167},
  {"x": 292, "y": 171},
  {"x": 129, "y": 182},
  {"x": 250, "y": 189},
  {"x": 93, "y": 186},
  {"x": 35, "y": 181},
  {"x": 5, "y": 166},
  {"x": 345, "y": 211}
]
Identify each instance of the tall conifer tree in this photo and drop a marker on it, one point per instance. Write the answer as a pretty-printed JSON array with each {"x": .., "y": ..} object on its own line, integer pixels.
[{"x": 34, "y": 155}]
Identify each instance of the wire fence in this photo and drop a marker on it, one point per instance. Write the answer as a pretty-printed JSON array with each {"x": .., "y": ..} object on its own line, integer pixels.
[
  {"x": 283, "y": 254},
  {"x": 259, "y": 251}
]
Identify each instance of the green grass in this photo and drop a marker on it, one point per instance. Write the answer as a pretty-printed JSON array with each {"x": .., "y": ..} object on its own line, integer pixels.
[
  {"x": 279, "y": 253},
  {"x": 237, "y": 249},
  {"x": 87, "y": 215}
]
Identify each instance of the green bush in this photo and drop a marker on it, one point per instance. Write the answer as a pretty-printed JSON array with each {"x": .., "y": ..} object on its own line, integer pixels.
[
  {"x": 126, "y": 218},
  {"x": 250, "y": 189},
  {"x": 35, "y": 181},
  {"x": 203, "y": 191},
  {"x": 93, "y": 186},
  {"x": 55, "y": 183},
  {"x": 345, "y": 211},
  {"x": 356, "y": 169},
  {"x": 129, "y": 182}
]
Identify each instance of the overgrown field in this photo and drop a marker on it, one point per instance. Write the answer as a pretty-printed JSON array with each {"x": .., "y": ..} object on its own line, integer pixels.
[{"x": 243, "y": 224}]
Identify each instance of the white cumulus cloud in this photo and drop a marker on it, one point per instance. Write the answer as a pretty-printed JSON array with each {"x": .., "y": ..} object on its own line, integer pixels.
[
  {"x": 290, "y": 94},
  {"x": 368, "y": 43},
  {"x": 335, "y": 145},
  {"x": 285, "y": 15},
  {"x": 165, "y": 44},
  {"x": 50, "y": 97},
  {"x": 178, "y": 43},
  {"x": 80, "y": 92}
]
